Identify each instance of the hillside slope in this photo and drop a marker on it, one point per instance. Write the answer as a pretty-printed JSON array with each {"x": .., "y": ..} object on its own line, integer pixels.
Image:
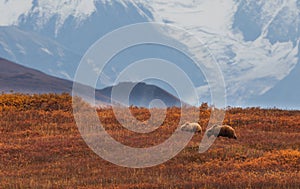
[{"x": 17, "y": 78}]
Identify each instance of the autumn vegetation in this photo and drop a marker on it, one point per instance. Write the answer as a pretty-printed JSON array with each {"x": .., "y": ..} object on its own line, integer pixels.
[{"x": 41, "y": 147}]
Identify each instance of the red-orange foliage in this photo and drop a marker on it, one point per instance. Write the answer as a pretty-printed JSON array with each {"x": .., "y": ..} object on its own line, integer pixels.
[{"x": 40, "y": 147}]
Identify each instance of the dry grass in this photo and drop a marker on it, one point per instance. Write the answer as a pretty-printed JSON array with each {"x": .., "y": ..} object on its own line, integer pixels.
[{"x": 40, "y": 147}]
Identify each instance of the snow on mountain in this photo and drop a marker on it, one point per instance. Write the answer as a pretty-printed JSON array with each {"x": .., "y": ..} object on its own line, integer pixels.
[
  {"x": 35, "y": 51},
  {"x": 42, "y": 11},
  {"x": 256, "y": 43},
  {"x": 53, "y": 36},
  {"x": 284, "y": 95},
  {"x": 11, "y": 11},
  {"x": 78, "y": 24}
]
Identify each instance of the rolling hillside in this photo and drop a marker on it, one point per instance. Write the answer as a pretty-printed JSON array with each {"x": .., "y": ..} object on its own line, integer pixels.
[{"x": 17, "y": 78}]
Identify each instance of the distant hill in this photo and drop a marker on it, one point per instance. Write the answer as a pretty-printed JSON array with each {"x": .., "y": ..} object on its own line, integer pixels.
[
  {"x": 17, "y": 78},
  {"x": 26, "y": 80},
  {"x": 142, "y": 94}
]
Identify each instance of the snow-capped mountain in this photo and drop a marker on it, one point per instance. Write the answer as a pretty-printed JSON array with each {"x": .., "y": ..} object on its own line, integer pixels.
[
  {"x": 36, "y": 51},
  {"x": 53, "y": 36},
  {"x": 256, "y": 43},
  {"x": 78, "y": 24},
  {"x": 285, "y": 94}
]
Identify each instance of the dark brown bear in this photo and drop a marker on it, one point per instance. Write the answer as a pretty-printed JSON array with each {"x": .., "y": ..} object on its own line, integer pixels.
[{"x": 224, "y": 131}]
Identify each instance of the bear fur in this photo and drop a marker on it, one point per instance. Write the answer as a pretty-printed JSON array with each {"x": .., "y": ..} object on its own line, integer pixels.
[
  {"x": 191, "y": 127},
  {"x": 224, "y": 131}
]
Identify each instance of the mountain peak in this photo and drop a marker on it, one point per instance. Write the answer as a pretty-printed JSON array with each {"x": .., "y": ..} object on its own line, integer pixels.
[
  {"x": 17, "y": 78},
  {"x": 14, "y": 12},
  {"x": 256, "y": 43}
]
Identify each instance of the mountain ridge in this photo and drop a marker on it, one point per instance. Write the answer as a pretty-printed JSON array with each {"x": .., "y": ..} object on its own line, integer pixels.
[
  {"x": 20, "y": 79},
  {"x": 255, "y": 43}
]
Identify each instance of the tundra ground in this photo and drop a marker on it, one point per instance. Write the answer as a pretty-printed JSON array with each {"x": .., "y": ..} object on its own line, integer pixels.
[{"x": 41, "y": 147}]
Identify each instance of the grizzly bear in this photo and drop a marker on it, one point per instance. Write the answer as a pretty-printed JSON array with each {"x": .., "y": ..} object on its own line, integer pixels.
[
  {"x": 221, "y": 130},
  {"x": 191, "y": 127}
]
